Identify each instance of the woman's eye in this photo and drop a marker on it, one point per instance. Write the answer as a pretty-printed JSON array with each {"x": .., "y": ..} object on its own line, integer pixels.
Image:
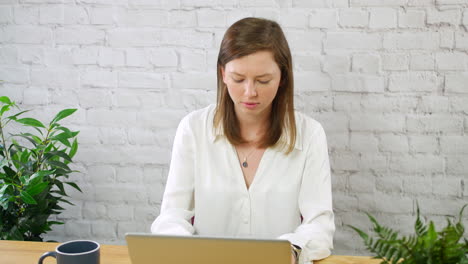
[
  {"x": 238, "y": 80},
  {"x": 264, "y": 82}
]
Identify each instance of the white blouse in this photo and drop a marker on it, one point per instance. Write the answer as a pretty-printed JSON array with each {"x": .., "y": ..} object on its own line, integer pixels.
[{"x": 206, "y": 182}]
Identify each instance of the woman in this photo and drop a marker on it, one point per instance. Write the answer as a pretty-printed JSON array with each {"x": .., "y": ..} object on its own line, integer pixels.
[{"x": 251, "y": 166}]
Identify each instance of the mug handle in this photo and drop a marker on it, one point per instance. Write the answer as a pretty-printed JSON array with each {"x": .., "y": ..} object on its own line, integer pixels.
[{"x": 47, "y": 254}]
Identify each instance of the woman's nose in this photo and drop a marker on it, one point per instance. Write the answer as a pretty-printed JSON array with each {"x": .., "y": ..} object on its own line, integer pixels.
[{"x": 250, "y": 89}]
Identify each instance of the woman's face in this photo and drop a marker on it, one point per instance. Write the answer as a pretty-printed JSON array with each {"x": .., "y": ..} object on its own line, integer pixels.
[{"x": 252, "y": 83}]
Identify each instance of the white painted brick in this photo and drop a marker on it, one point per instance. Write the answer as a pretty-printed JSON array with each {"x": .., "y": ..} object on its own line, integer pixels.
[
  {"x": 142, "y": 18},
  {"x": 433, "y": 104},
  {"x": 434, "y": 123},
  {"x": 450, "y": 17},
  {"x": 420, "y": 3},
  {"x": 153, "y": 174},
  {"x": 344, "y": 162},
  {"x": 367, "y": 63},
  {"x": 423, "y": 144},
  {"x": 94, "y": 211},
  {"x": 13, "y": 91},
  {"x": 6, "y": 15},
  {"x": 51, "y": 14},
  {"x": 422, "y": 62},
  {"x": 187, "y": 38},
  {"x": 111, "y": 57},
  {"x": 294, "y": 18},
  {"x": 465, "y": 18},
  {"x": 307, "y": 62},
  {"x": 192, "y": 59},
  {"x": 78, "y": 229},
  {"x": 456, "y": 83},
  {"x": 315, "y": 102},
  {"x": 352, "y": 41},
  {"x": 182, "y": 18},
  {"x": 104, "y": 229},
  {"x": 412, "y": 19},
  {"x": 383, "y": 18},
  {"x": 146, "y": 213},
  {"x": 120, "y": 212},
  {"x": 313, "y": 4},
  {"x": 85, "y": 55},
  {"x": 26, "y": 14},
  {"x": 75, "y": 15},
  {"x": 99, "y": 78},
  {"x": 362, "y": 183},
  {"x": 64, "y": 98},
  {"x": 71, "y": 212},
  {"x": 28, "y": 35},
  {"x": 160, "y": 4},
  {"x": 354, "y": 18},
  {"x": 90, "y": 98},
  {"x": 258, "y": 3},
  {"x": 377, "y": 122},
  {"x": 357, "y": 83},
  {"x": 457, "y": 164},
  {"x": 304, "y": 40},
  {"x": 133, "y": 37},
  {"x": 79, "y": 35},
  {"x": 201, "y": 80},
  {"x": 445, "y": 186},
  {"x": 417, "y": 185},
  {"x": 160, "y": 118},
  {"x": 438, "y": 206},
  {"x": 391, "y": 183},
  {"x": 395, "y": 61},
  {"x": 139, "y": 226},
  {"x": 8, "y": 54},
  {"x": 237, "y": 14},
  {"x": 335, "y": 63},
  {"x": 126, "y": 99},
  {"x": 377, "y": 3},
  {"x": 88, "y": 136},
  {"x": 454, "y": 144},
  {"x": 347, "y": 102},
  {"x": 137, "y": 57},
  {"x": 155, "y": 193},
  {"x": 323, "y": 18},
  {"x": 411, "y": 41},
  {"x": 58, "y": 57},
  {"x": 56, "y": 78},
  {"x": 17, "y": 75},
  {"x": 453, "y": 61},
  {"x": 140, "y": 136},
  {"x": 110, "y": 118},
  {"x": 142, "y": 80},
  {"x": 459, "y": 104},
  {"x": 112, "y": 136},
  {"x": 363, "y": 142},
  {"x": 211, "y": 18},
  {"x": 413, "y": 82},
  {"x": 101, "y": 174},
  {"x": 103, "y": 15},
  {"x": 36, "y": 96},
  {"x": 372, "y": 162},
  {"x": 337, "y": 141},
  {"x": 417, "y": 163},
  {"x": 393, "y": 143},
  {"x": 312, "y": 81},
  {"x": 267, "y": 13},
  {"x": 129, "y": 174},
  {"x": 447, "y": 38},
  {"x": 388, "y": 103}
]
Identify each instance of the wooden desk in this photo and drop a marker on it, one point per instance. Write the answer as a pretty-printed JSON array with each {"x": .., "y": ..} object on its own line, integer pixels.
[{"x": 20, "y": 252}]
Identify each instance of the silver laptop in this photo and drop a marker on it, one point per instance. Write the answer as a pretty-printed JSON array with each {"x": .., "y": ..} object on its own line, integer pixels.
[{"x": 161, "y": 249}]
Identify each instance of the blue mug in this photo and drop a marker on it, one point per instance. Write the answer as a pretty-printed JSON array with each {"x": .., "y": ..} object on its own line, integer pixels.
[{"x": 75, "y": 252}]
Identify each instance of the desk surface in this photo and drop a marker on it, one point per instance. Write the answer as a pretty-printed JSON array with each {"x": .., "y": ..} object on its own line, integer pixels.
[{"x": 14, "y": 252}]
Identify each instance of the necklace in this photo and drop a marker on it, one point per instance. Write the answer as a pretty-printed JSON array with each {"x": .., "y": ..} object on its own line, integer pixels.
[{"x": 244, "y": 163}]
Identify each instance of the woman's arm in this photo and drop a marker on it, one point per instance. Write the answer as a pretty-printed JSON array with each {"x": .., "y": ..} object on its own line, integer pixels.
[
  {"x": 315, "y": 234},
  {"x": 177, "y": 207}
]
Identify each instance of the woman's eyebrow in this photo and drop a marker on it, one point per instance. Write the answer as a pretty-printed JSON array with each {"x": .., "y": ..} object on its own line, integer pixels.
[{"x": 262, "y": 75}]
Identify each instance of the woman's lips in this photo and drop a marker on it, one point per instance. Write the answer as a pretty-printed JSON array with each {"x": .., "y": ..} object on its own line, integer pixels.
[{"x": 250, "y": 105}]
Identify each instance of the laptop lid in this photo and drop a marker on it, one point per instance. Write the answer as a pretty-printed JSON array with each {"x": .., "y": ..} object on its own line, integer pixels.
[{"x": 151, "y": 249}]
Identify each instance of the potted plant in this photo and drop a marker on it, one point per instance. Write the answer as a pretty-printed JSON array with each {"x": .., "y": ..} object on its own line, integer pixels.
[
  {"x": 34, "y": 167},
  {"x": 426, "y": 246}
]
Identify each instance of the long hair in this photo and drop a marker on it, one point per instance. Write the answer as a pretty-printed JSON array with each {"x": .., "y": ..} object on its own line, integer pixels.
[{"x": 247, "y": 36}]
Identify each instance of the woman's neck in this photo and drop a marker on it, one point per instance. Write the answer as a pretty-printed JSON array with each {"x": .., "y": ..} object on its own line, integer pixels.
[{"x": 253, "y": 128}]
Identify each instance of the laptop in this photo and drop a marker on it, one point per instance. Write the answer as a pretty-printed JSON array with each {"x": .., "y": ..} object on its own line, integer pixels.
[{"x": 162, "y": 249}]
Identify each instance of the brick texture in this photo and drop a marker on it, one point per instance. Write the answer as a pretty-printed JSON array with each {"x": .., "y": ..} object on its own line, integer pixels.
[{"x": 388, "y": 79}]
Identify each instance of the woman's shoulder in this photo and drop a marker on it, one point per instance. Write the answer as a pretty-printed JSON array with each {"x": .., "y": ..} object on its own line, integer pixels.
[
  {"x": 200, "y": 117},
  {"x": 307, "y": 124}
]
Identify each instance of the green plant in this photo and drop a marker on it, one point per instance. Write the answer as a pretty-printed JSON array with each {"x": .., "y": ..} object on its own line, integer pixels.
[
  {"x": 33, "y": 172},
  {"x": 426, "y": 246}
]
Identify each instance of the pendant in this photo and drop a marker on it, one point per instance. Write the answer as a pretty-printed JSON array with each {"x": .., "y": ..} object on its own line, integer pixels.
[{"x": 244, "y": 164}]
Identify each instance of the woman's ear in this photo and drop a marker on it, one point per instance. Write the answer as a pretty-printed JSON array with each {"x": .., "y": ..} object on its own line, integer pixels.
[{"x": 223, "y": 74}]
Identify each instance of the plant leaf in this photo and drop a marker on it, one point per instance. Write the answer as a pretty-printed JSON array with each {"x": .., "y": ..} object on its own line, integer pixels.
[
  {"x": 5, "y": 100},
  {"x": 38, "y": 188},
  {"x": 62, "y": 114},
  {"x": 74, "y": 148},
  {"x": 30, "y": 122},
  {"x": 74, "y": 185},
  {"x": 61, "y": 154},
  {"x": 27, "y": 198}
]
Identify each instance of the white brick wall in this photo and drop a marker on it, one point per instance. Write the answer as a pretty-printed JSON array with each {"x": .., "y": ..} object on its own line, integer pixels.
[{"x": 388, "y": 79}]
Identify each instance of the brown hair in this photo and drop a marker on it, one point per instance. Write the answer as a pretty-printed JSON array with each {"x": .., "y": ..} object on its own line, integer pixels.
[{"x": 247, "y": 36}]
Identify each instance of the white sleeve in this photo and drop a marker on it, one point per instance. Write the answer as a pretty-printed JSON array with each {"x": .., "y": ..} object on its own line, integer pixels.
[
  {"x": 315, "y": 234},
  {"x": 177, "y": 207}
]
